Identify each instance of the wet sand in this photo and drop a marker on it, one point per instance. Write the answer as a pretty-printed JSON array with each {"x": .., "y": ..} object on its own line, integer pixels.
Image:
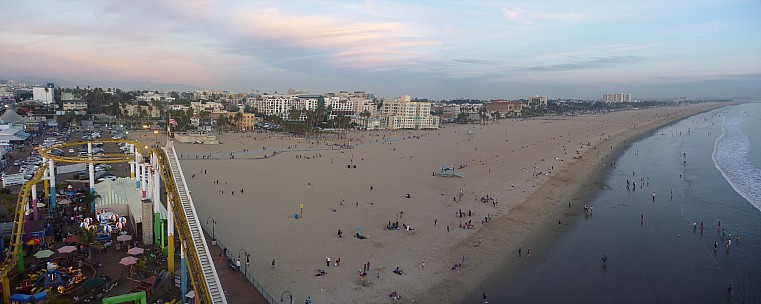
[{"x": 532, "y": 168}]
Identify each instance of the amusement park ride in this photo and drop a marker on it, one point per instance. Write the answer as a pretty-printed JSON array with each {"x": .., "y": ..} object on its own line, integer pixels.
[{"x": 148, "y": 168}]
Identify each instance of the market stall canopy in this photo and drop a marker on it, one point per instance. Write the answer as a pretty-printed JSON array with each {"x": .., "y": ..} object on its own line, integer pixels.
[{"x": 122, "y": 192}]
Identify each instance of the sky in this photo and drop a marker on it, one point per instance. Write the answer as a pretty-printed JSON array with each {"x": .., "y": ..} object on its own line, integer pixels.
[{"x": 427, "y": 49}]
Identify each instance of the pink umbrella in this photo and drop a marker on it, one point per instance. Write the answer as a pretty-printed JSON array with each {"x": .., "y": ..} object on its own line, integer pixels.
[
  {"x": 64, "y": 202},
  {"x": 135, "y": 251},
  {"x": 128, "y": 260},
  {"x": 124, "y": 238},
  {"x": 67, "y": 249}
]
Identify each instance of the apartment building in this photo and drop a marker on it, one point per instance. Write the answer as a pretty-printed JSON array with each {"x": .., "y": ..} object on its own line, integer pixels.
[
  {"x": 616, "y": 97},
  {"x": 537, "y": 101},
  {"x": 406, "y": 114}
]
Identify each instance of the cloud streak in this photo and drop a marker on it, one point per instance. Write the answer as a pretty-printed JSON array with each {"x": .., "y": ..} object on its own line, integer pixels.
[{"x": 466, "y": 48}]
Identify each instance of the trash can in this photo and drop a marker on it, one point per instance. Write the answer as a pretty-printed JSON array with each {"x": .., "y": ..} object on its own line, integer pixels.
[{"x": 296, "y": 216}]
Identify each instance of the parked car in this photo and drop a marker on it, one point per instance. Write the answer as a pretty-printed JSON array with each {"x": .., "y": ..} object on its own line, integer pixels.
[{"x": 81, "y": 175}]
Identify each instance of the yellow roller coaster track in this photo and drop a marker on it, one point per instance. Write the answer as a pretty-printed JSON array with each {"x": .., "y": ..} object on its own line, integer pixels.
[
  {"x": 195, "y": 269},
  {"x": 105, "y": 158}
]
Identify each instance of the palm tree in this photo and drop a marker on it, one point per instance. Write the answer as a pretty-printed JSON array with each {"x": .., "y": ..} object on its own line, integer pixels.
[
  {"x": 366, "y": 115},
  {"x": 238, "y": 118},
  {"x": 294, "y": 114},
  {"x": 88, "y": 238}
]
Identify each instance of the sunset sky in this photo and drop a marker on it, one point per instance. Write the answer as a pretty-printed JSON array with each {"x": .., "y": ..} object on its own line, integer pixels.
[{"x": 427, "y": 49}]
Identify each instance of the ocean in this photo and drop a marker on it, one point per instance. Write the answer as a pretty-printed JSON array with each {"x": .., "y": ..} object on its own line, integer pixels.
[{"x": 703, "y": 170}]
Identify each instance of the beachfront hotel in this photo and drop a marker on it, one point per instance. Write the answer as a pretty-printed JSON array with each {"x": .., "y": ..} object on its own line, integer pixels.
[
  {"x": 406, "y": 114},
  {"x": 537, "y": 101},
  {"x": 616, "y": 97}
]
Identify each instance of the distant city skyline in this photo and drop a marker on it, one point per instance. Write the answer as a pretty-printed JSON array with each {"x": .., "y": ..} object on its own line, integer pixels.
[{"x": 426, "y": 49}]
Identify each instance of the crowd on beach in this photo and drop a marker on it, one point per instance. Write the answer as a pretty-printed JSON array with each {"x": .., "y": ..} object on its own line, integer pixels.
[{"x": 323, "y": 150}]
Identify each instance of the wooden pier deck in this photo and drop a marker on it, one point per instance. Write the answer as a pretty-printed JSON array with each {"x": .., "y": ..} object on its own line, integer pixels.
[{"x": 237, "y": 288}]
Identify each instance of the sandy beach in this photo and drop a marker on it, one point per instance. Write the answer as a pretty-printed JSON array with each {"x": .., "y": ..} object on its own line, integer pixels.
[{"x": 531, "y": 170}]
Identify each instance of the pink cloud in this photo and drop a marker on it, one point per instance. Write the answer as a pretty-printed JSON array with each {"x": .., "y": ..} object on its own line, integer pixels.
[
  {"x": 348, "y": 43},
  {"x": 512, "y": 14},
  {"x": 517, "y": 14}
]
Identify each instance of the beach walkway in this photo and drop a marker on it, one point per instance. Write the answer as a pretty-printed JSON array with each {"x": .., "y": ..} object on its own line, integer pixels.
[{"x": 237, "y": 288}]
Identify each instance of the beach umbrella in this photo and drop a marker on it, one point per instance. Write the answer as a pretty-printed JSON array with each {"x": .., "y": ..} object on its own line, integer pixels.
[
  {"x": 135, "y": 251},
  {"x": 73, "y": 239},
  {"x": 43, "y": 254},
  {"x": 33, "y": 242},
  {"x": 123, "y": 220},
  {"x": 67, "y": 249},
  {"x": 130, "y": 260},
  {"x": 107, "y": 228},
  {"x": 70, "y": 187},
  {"x": 87, "y": 220},
  {"x": 84, "y": 225},
  {"x": 114, "y": 217},
  {"x": 93, "y": 283},
  {"x": 99, "y": 217},
  {"x": 64, "y": 202},
  {"x": 124, "y": 238},
  {"x": 119, "y": 226}
]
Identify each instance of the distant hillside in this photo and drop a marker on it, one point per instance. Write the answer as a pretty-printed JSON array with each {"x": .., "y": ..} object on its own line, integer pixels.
[{"x": 124, "y": 85}]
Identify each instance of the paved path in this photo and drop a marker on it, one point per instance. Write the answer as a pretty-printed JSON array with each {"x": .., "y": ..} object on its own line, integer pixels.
[{"x": 236, "y": 287}]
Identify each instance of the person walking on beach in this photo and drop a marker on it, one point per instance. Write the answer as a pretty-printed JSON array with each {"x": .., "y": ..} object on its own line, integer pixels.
[
  {"x": 528, "y": 254},
  {"x": 715, "y": 245},
  {"x": 327, "y": 261},
  {"x": 519, "y": 251}
]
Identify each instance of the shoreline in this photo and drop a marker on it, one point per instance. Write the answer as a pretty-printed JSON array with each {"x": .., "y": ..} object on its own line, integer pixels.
[
  {"x": 573, "y": 183},
  {"x": 296, "y": 175}
]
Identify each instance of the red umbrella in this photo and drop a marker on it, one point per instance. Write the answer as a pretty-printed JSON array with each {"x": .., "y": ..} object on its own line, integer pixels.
[{"x": 33, "y": 242}]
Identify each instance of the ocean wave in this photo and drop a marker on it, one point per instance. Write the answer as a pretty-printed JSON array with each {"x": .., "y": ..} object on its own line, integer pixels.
[{"x": 730, "y": 157}]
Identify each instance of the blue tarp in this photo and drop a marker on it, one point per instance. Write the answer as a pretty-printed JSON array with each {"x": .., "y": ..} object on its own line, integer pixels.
[{"x": 18, "y": 297}]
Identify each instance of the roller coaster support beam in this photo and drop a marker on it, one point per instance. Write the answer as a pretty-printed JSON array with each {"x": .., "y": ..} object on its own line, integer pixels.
[
  {"x": 51, "y": 176},
  {"x": 183, "y": 275},
  {"x": 91, "y": 171},
  {"x": 34, "y": 202}
]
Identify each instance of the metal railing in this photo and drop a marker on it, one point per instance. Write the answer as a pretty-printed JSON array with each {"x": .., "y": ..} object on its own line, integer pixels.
[{"x": 249, "y": 276}]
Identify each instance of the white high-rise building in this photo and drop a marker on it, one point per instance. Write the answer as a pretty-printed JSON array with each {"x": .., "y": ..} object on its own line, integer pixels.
[
  {"x": 44, "y": 94},
  {"x": 537, "y": 100},
  {"x": 616, "y": 97}
]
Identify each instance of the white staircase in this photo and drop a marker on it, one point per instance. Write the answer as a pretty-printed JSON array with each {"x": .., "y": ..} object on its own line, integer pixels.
[{"x": 210, "y": 276}]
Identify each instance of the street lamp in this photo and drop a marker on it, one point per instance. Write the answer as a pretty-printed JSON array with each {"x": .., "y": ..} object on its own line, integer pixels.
[
  {"x": 156, "y": 133},
  {"x": 248, "y": 261},
  {"x": 213, "y": 225},
  {"x": 290, "y": 296}
]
